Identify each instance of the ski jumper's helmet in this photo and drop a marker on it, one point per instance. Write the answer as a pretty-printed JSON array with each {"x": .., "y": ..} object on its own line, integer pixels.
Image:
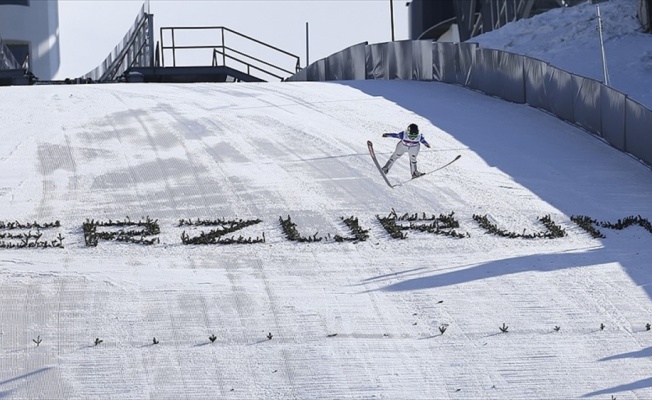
[{"x": 412, "y": 131}]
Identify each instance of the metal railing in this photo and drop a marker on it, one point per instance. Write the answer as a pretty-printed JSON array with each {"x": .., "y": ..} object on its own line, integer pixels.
[
  {"x": 249, "y": 66},
  {"x": 221, "y": 53}
]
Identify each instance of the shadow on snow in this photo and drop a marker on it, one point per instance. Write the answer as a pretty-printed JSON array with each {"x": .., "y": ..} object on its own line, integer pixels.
[{"x": 562, "y": 165}]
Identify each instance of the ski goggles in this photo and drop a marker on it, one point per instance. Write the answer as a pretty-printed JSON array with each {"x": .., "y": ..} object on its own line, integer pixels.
[{"x": 412, "y": 133}]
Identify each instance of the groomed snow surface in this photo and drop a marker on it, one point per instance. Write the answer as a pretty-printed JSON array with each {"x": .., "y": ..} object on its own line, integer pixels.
[{"x": 350, "y": 320}]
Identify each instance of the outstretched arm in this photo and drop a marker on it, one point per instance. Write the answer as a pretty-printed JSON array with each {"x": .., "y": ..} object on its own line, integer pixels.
[
  {"x": 394, "y": 135},
  {"x": 423, "y": 141}
]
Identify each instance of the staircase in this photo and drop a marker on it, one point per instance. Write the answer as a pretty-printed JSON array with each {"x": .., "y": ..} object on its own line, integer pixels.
[{"x": 187, "y": 62}]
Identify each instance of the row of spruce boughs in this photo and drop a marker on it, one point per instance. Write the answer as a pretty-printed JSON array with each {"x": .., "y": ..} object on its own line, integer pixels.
[
  {"x": 587, "y": 223},
  {"x": 553, "y": 231},
  {"x": 28, "y": 239},
  {"x": 444, "y": 224},
  {"x": 28, "y": 225},
  {"x": 292, "y": 234},
  {"x": 145, "y": 228},
  {"x": 217, "y": 236}
]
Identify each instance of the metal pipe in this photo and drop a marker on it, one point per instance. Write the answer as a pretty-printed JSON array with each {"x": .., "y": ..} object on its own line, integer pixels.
[
  {"x": 391, "y": 16},
  {"x": 604, "y": 58},
  {"x": 161, "y": 37},
  {"x": 150, "y": 36},
  {"x": 223, "y": 45},
  {"x": 307, "y": 45},
  {"x": 174, "y": 53}
]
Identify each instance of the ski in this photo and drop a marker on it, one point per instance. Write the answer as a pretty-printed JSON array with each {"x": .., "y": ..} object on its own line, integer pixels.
[
  {"x": 431, "y": 171},
  {"x": 373, "y": 157},
  {"x": 442, "y": 167},
  {"x": 380, "y": 169}
]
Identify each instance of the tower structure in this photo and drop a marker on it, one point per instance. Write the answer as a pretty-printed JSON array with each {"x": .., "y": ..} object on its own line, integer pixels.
[{"x": 30, "y": 30}]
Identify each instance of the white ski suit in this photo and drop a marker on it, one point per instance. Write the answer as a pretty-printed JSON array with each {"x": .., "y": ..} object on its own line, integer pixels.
[{"x": 405, "y": 144}]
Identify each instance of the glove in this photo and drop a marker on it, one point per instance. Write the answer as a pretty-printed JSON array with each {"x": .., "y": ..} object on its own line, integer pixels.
[
  {"x": 385, "y": 134},
  {"x": 427, "y": 145}
]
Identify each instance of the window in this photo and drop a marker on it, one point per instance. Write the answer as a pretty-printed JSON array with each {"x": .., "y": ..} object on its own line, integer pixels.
[
  {"x": 15, "y": 2},
  {"x": 20, "y": 52}
]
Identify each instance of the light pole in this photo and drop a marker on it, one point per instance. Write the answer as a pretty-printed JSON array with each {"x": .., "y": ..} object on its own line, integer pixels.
[
  {"x": 307, "y": 45},
  {"x": 604, "y": 57},
  {"x": 391, "y": 16}
]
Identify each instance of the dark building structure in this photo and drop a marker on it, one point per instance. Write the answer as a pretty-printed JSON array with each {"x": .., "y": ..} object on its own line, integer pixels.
[
  {"x": 430, "y": 19},
  {"x": 645, "y": 14}
]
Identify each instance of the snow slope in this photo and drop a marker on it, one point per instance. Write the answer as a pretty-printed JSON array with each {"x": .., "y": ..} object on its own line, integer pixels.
[
  {"x": 568, "y": 38},
  {"x": 351, "y": 320}
]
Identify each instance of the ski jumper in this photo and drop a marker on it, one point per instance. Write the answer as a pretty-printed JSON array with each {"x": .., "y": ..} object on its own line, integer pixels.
[{"x": 405, "y": 144}]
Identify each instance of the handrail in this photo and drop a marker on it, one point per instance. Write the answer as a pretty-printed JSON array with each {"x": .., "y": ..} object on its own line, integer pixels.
[
  {"x": 220, "y": 44},
  {"x": 253, "y": 58},
  {"x": 157, "y": 56},
  {"x": 249, "y": 66},
  {"x": 265, "y": 44}
]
